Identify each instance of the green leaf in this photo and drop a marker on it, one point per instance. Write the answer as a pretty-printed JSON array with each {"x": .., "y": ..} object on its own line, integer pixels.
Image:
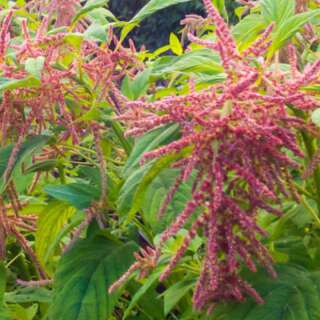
[
  {"x": 148, "y": 142},
  {"x": 90, "y": 6},
  {"x": 96, "y": 32},
  {"x": 3, "y": 281},
  {"x": 83, "y": 277},
  {"x": 175, "y": 44},
  {"x": 9, "y": 84},
  {"x": 34, "y": 66},
  {"x": 101, "y": 15},
  {"x": 202, "y": 60},
  {"x": 23, "y": 313},
  {"x": 220, "y": 5},
  {"x": 293, "y": 295},
  {"x": 290, "y": 27},
  {"x": 50, "y": 223},
  {"x": 74, "y": 39},
  {"x": 28, "y": 295},
  {"x": 156, "y": 194},
  {"x": 247, "y": 30},
  {"x": 315, "y": 117},
  {"x": 152, "y": 7},
  {"x": 277, "y": 10},
  {"x": 140, "y": 292},
  {"x": 79, "y": 195},
  {"x": 135, "y": 88},
  {"x": 149, "y": 176},
  {"x": 45, "y": 165},
  {"x": 28, "y": 148},
  {"x": 175, "y": 293}
]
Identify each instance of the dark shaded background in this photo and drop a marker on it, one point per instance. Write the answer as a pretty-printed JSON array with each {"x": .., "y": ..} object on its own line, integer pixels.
[{"x": 154, "y": 31}]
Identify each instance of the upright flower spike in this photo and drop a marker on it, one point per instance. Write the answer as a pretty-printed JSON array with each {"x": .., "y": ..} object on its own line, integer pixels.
[{"x": 237, "y": 134}]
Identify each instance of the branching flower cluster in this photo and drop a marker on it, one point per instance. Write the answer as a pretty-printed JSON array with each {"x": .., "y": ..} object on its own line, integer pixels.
[
  {"x": 40, "y": 102},
  {"x": 238, "y": 136}
]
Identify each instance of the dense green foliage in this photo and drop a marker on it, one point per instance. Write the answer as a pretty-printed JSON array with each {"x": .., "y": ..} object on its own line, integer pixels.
[{"x": 177, "y": 182}]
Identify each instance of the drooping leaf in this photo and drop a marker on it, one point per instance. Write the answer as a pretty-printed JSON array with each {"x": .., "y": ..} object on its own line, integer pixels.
[{"x": 83, "y": 277}]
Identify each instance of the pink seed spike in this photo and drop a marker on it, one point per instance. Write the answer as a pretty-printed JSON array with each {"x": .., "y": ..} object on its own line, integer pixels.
[
  {"x": 222, "y": 30},
  {"x": 293, "y": 60},
  {"x": 4, "y": 33},
  {"x": 257, "y": 48}
]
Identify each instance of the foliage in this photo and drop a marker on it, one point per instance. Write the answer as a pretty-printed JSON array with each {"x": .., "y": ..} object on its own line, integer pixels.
[{"x": 177, "y": 182}]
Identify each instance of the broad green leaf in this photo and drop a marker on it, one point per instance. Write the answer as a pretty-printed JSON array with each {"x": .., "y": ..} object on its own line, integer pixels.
[
  {"x": 83, "y": 277},
  {"x": 152, "y": 7},
  {"x": 293, "y": 295},
  {"x": 96, "y": 32},
  {"x": 202, "y": 60},
  {"x": 28, "y": 148},
  {"x": 74, "y": 39},
  {"x": 175, "y": 293},
  {"x": 148, "y": 142},
  {"x": 290, "y": 27},
  {"x": 50, "y": 223},
  {"x": 101, "y": 16},
  {"x": 149, "y": 176},
  {"x": 79, "y": 195},
  {"x": 135, "y": 88},
  {"x": 315, "y": 117},
  {"x": 90, "y": 6},
  {"x": 34, "y": 66},
  {"x": 23, "y": 313},
  {"x": 175, "y": 44},
  {"x": 277, "y": 10},
  {"x": 247, "y": 30},
  {"x": 142, "y": 291},
  {"x": 156, "y": 194}
]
